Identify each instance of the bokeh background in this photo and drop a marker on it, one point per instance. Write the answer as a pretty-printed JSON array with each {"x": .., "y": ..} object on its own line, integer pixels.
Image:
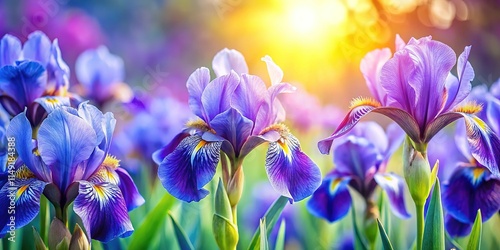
[{"x": 318, "y": 43}]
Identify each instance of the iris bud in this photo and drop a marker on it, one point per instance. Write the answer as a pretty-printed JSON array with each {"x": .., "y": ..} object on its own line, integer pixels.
[
  {"x": 58, "y": 233},
  {"x": 235, "y": 187},
  {"x": 225, "y": 232},
  {"x": 417, "y": 172}
]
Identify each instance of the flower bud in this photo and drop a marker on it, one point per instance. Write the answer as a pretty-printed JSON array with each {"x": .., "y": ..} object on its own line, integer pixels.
[
  {"x": 58, "y": 233},
  {"x": 235, "y": 187},
  {"x": 222, "y": 205},
  {"x": 417, "y": 172},
  {"x": 225, "y": 233},
  {"x": 79, "y": 240}
]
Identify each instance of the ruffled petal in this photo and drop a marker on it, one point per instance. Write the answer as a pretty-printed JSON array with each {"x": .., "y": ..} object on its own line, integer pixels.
[
  {"x": 10, "y": 50},
  {"x": 64, "y": 141},
  {"x": 37, "y": 48},
  {"x": 274, "y": 71},
  {"x": 20, "y": 198},
  {"x": 470, "y": 189},
  {"x": 331, "y": 201},
  {"x": 371, "y": 66},
  {"x": 102, "y": 208},
  {"x": 229, "y": 59},
  {"x": 196, "y": 84},
  {"x": 362, "y": 107},
  {"x": 23, "y": 83},
  {"x": 394, "y": 185},
  {"x": 216, "y": 97},
  {"x": 249, "y": 97},
  {"x": 58, "y": 72},
  {"x": 291, "y": 172},
  {"x": 459, "y": 89},
  {"x": 189, "y": 167},
  {"x": 456, "y": 228},
  {"x": 232, "y": 126},
  {"x": 20, "y": 129}
]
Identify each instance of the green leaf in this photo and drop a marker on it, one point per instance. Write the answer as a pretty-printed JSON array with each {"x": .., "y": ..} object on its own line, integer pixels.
[
  {"x": 143, "y": 236},
  {"x": 385, "y": 239},
  {"x": 271, "y": 217},
  {"x": 226, "y": 234},
  {"x": 222, "y": 205},
  {"x": 39, "y": 245},
  {"x": 280, "y": 240},
  {"x": 180, "y": 235},
  {"x": 434, "y": 222},
  {"x": 359, "y": 241},
  {"x": 264, "y": 245},
  {"x": 475, "y": 235},
  {"x": 63, "y": 245}
]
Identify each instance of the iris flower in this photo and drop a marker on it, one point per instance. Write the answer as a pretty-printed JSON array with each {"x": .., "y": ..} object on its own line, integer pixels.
[
  {"x": 66, "y": 159},
  {"x": 236, "y": 114},
  {"x": 30, "y": 71},
  {"x": 415, "y": 88},
  {"x": 101, "y": 76},
  {"x": 360, "y": 160}
]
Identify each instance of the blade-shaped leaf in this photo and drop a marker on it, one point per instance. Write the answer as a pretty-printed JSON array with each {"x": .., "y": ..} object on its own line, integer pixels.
[
  {"x": 280, "y": 240},
  {"x": 383, "y": 235},
  {"x": 271, "y": 217},
  {"x": 180, "y": 235},
  {"x": 359, "y": 240},
  {"x": 477, "y": 231},
  {"x": 39, "y": 245},
  {"x": 142, "y": 237},
  {"x": 264, "y": 245},
  {"x": 434, "y": 222}
]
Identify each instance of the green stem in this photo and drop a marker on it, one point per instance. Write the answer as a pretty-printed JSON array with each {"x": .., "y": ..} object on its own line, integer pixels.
[
  {"x": 235, "y": 217},
  {"x": 225, "y": 169},
  {"x": 420, "y": 225},
  {"x": 44, "y": 218}
]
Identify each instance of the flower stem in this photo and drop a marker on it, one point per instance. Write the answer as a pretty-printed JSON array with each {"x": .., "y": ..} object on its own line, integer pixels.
[
  {"x": 420, "y": 225},
  {"x": 44, "y": 218}
]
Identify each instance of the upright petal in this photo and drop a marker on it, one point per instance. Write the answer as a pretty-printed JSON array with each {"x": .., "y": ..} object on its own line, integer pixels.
[
  {"x": 232, "y": 126},
  {"x": 20, "y": 129},
  {"x": 371, "y": 66},
  {"x": 291, "y": 172},
  {"x": 216, "y": 97},
  {"x": 470, "y": 189},
  {"x": 10, "y": 50},
  {"x": 64, "y": 141},
  {"x": 394, "y": 185},
  {"x": 23, "y": 83},
  {"x": 25, "y": 194},
  {"x": 196, "y": 84},
  {"x": 331, "y": 201},
  {"x": 249, "y": 97},
  {"x": 358, "y": 157},
  {"x": 459, "y": 89},
  {"x": 189, "y": 167},
  {"x": 97, "y": 199},
  {"x": 58, "y": 72},
  {"x": 227, "y": 60},
  {"x": 98, "y": 70},
  {"x": 274, "y": 71},
  {"x": 37, "y": 48}
]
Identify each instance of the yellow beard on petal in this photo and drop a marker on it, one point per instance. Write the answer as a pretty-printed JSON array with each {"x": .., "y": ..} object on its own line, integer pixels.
[
  {"x": 362, "y": 101},
  {"x": 111, "y": 162},
  {"x": 469, "y": 108}
]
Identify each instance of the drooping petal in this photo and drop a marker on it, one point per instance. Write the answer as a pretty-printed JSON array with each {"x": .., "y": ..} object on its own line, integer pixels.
[
  {"x": 23, "y": 82},
  {"x": 20, "y": 198},
  {"x": 196, "y": 84},
  {"x": 37, "y": 48},
  {"x": 161, "y": 153},
  {"x": 50, "y": 103},
  {"x": 484, "y": 143},
  {"x": 232, "y": 126},
  {"x": 64, "y": 141},
  {"x": 102, "y": 208},
  {"x": 129, "y": 190},
  {"x": 394, "y": 185},
  {"x": 456, "y": 228},
  {"x": 229, "y": 59},
  {"x": 458, "y": 90},
  {"x": 274, "y": 71},
  {"x": 216, "y": 97},
  {"x": 256, "y": 140},
  {"x": 20, "y": 129},
  {"x": 358, "y": 157},
  {"x": 291, "y": 172},
  {"x": 10, "y": 50},
  {"x": 249, "y": 97},
  {"x": 189, "y": 167},
  {"x": 371, "y": 66},
  {"x": 331, "y": 201},
  {"x": 493, "y": 114},
  {"x": 362, "y": 107},
  {"x": 470, "y": 189}
]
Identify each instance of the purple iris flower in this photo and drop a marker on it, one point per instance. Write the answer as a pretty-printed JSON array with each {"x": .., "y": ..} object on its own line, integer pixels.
[
  {"x": 360, "y": 160},
  {"x": 468, "y": 185},
  {"x": 101, "y": 75},
  {"x": 237, "y": 113},
  {"x": 66, "y": 159},
  {"x": 41, "y": 66},
  {"x": 415, "y": 88}
]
